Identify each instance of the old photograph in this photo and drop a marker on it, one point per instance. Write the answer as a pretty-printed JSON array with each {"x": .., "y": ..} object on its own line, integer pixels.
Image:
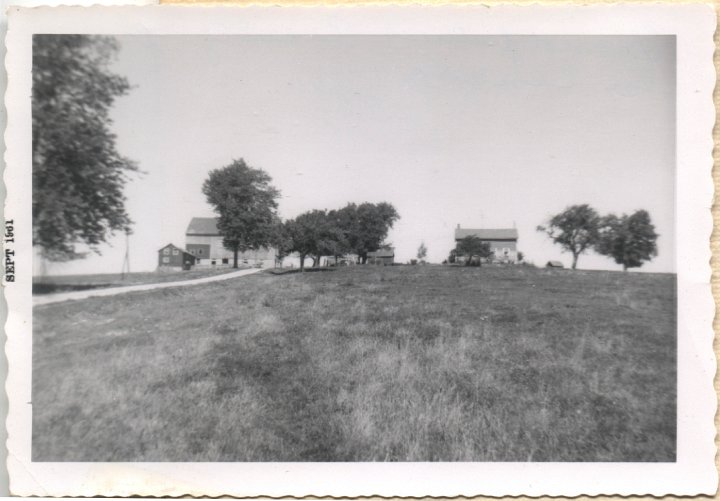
[{"x": 354, "y": 248}]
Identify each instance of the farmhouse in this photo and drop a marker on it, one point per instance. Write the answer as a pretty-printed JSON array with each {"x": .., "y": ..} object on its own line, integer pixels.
[
  {"x": 383, "y": 256},
  {"x": 172, "y": 257},
  {"x": 203, "y": 240},
  {"x": 503, "y": 241}
]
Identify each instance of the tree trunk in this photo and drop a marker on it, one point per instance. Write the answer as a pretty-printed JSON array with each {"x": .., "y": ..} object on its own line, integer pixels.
[
  {"x": 574, "y": 263},
  {"x": 302, "y": 262},
  {"x": 317, "y": 263},
  {"x": 468, "y": 261},
  {"x": 363, "y": 258},
  {"x": 625, "y": 267},
  {"x": 235, "y": 256}
]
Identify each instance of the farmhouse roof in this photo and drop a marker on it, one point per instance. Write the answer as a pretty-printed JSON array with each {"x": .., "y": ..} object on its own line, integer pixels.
[
  {"x": 487, "y": 234},
  {"x": 175, "y": 247},
  {"x": 382, "y": 253},
  {"x": 206, "y": 226}
]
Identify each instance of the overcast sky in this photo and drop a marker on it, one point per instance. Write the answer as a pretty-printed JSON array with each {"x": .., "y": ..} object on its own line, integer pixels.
[{"x": 482, "y": 131}]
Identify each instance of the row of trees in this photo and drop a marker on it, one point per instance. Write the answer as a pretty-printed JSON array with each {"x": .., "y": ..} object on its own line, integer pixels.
[
  {"x": 79, "y": 176},
  {"x": 246, "y": 204},
  {"x": 628, "y": 239}
]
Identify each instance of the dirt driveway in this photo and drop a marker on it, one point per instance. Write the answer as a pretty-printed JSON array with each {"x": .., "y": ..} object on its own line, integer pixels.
[{"x": 68, "y": 296}]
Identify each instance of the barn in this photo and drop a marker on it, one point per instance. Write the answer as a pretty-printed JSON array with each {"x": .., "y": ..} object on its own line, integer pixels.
[
  {"x": 204, "y": 241},
  {"x": 503, "y": 241},
  {"x": 384, "y": 257},
  {"x": 172, "y": 257}
]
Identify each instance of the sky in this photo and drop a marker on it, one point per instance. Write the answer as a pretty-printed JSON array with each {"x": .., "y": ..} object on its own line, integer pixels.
[{"x": 483, "y": 131}]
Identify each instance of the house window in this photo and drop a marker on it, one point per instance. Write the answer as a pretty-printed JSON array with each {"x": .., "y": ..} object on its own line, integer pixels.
[
  {"x": 175, "y": 252},
  {"x": 225, "y": 261},
  {"x": 166, "y": 260},
  {"x": 213, "y": 262},
  {"x": 166, "y": 252},
  {"x": 199, "y": 252}
]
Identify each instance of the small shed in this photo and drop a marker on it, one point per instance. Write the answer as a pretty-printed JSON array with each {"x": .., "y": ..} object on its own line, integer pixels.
[
  {"x": 554, "y": 264},
  {"x": 172, "y": 257},
  {"x": 384, "y": 257}
]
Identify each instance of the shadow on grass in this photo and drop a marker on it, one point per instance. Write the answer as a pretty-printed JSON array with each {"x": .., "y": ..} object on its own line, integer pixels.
[
  {"x": 45, "y": 288},
  {"x": 285, "y": 271}
]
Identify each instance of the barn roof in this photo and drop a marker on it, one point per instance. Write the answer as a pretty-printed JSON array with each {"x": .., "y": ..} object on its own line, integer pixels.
[
  {"x": 487, "y": 234},
  {"x": 175, "y": 247},
  {"x": 202, "y": 226},
  {"x": 382, "y": 253}
]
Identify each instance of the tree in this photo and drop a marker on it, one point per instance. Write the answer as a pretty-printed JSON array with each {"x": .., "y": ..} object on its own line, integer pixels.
[
  {"x": 78, "y": 175},
  {"x": 575, "y": 229},
  {"x": 452, "y": 257},
  {"x": 629, "y": 240},
  {"x": 470, "y": 247},
  {"x": 422, "y": 252},
  {"x": 282, "y": 241},
  {"x": 299, "y": 234},
  {"x": 246, "y": 204},
  {"x": 314, "y": 234},
  {"x": 366, "y": 226}
]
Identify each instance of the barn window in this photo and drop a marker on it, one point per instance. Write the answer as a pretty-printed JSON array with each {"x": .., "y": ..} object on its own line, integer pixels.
[
  {"x": 166, "y": 260},
  {"x": 166, "y": 252},
  {"x": 175, "y": 252}
]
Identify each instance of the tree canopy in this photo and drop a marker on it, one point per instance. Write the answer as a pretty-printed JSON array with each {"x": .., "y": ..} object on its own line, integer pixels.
[
  {"x": 315, "y": 233},
  {"x": 471, "y": 247},
  {"x": 78, "y": 175},
  {"x": 629, "y": 240},
  {"x": 355, "y": 229},
  {"x": 366, "y": 226},
  {"x": 246, "y": 204},
  {"x": 575, "y": 230}
]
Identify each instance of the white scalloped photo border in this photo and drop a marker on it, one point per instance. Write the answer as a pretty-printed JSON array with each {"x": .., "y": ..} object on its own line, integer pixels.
[{"x": 694, "y": 471}]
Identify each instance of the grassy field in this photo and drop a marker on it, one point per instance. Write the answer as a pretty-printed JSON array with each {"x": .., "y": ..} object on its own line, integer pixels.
[
  {"x": 408, "y": 363},
  {"x": 64, "y": 283}
]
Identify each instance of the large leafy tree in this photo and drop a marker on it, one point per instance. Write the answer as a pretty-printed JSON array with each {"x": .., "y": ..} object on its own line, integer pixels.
[
  {"x": 575, "y": 230},
  {"x": 366, "y": 226},
  {"x": 629, "y": 240},
  {"x": 246, "y": 204},
  {"x": 317, "y": 233},
  {"x": 472, "y": 247},
  {"x": 78, "y": 175}
]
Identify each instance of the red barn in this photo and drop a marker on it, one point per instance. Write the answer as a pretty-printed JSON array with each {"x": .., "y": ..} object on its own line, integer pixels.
[{"x": 172, "y": 257}]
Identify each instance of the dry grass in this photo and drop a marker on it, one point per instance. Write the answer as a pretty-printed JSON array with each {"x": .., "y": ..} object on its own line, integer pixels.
[{"x": 418, "y": 363}]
